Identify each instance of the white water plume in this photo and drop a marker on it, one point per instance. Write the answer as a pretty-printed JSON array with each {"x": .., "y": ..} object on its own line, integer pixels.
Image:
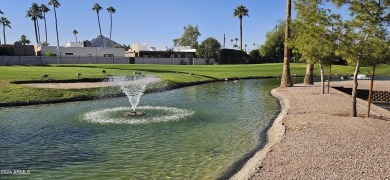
[{"x": 134, "y": 86}]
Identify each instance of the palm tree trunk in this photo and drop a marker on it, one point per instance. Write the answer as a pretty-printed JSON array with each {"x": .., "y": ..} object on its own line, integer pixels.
[
  {"x": 36, "y": 32},
  {"x": 286, "y": 77},
  {"x": 58, "y": 40},
  {"x": 371, "y": 86},
  {"x": 39, "y": 33},
  {"x": 110, "y": 25},
  {"x": 241, "y": 33},
  {"x": 44, "y": 18},
  {"x": 329, "y": 74},
  {"x": 354, "y": 89},
  {"x": 5, "y": 41},
  {"x": 309, "y": 74},
  {"x": 100, "y": 29}
]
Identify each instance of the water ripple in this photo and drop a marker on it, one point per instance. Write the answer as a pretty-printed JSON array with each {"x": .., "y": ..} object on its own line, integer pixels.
[{"x": 154, "y": 114}]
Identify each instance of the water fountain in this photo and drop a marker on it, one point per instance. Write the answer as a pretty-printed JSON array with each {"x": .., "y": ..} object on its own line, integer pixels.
[{"x": 134, "y": 87}]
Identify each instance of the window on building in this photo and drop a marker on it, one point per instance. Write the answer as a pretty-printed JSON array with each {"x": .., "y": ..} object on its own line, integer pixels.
[
  {"x": 109, "y": 55},
  {"x": 68, "y": 54}
]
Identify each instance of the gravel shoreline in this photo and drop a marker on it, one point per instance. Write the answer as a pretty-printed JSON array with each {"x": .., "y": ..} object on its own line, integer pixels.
[{"x": 322, "y": 141}]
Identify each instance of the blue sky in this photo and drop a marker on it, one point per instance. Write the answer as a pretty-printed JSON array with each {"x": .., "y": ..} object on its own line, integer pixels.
[{"x": 147, "y": 21}]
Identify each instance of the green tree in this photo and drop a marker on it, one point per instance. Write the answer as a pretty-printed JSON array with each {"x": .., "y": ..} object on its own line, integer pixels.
[
  {"x": 364, "y": 36},
  {"x": 44, "y": 10},
  {"x": 96, "y": 7},
  {"x": 75, "y": 34},
  {"x": 6, "y": 23},
  {"x": 48, "y": 54},
  {"x": 255, "y": 56},
  {"x": 286, "y": 76},
  {"x": 56, "y": 4},
  {"x": 1, "y": 12},
  {"x": 111, "y": 10},
  {"x": 314, "y": 37},
  {"x": 209, "y": 48},
  {"x": 33, "y": 13},
  {"x": 124, "y": 46},
  {"x": 240, "y": 12},
  {"x": 24, "y": 40},
  {"x": 273, "y": 48},
  {"x": 189, "y": 37}
]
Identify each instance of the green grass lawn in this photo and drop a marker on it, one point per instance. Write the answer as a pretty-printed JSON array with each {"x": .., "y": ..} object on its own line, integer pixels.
[{"x": 169, "y": 73}]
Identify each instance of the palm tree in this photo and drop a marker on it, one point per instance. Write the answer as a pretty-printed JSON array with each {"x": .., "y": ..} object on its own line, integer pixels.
[
  {"x": 39, "y": 16},
  {"x": 44, "y": 10},
  {"x": 286, "y": 77},
  {"x": 75, "y": 34},
  {"x": 6, "y": 23},
  {"x": 236, "y": 42},
  {"x": 1, "y": 12},
  {"x": 111, "y": 10},
  {"x": 96, "y": 7},
  {"x": 55, "y": 4},
  {"x": 240, "y": 12},
  {"x": 24, "y": 40},
  {"x": 231, "y": 42},
  {"x": 33, "y": 14}
]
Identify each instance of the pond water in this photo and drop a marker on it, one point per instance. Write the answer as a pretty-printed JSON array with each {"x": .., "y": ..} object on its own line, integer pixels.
[{"x": 209, "y": 128}]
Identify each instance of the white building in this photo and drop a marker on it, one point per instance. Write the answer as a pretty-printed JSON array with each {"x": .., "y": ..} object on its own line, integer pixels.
[
  {"x": 143, "y": 50},
  {"x": 77, "y": 49}
]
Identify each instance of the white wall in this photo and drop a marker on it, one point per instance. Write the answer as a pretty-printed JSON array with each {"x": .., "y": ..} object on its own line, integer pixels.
[
  {"x": 84, "y": 51},
  {"x": 139, "y": 47},
  {"x": 74, "y": 44}
]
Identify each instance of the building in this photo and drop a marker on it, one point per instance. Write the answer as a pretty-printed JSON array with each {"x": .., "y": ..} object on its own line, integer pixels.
[
  {"x": 78, "y": 49},
  {"x": 143, "y": 50}
]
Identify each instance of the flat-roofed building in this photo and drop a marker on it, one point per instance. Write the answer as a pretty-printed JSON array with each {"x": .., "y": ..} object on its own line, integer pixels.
[{"x": 77, "y": 49}]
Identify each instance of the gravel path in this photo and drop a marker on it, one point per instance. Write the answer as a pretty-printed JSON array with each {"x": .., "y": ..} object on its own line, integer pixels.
[{"x": 321, "y": 141}]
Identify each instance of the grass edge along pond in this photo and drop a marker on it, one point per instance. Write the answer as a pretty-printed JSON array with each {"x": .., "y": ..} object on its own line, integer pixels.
[{"x": 171, "y": 75}]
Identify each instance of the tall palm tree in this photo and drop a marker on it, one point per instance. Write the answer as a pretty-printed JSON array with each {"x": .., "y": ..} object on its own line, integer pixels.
[
  {"x": 44, "y": 10},
  {"x": 286, "y": 77},
  {"x": 39, "y": 16},
  {"x": 33, "y": 14},
  {"x": 75, "y": 34},
  {"x": 6, "y": 23},
  {"x": 231, "y": 42},
  {"x": 236, "y": 41},
  {"x": 55, "y": 4},
  {"x": 111, "y": 10},
  {"x": 240, "y": 12},
  {"x": 24, "y": 40},
  {"x": 96, "y": 7}
]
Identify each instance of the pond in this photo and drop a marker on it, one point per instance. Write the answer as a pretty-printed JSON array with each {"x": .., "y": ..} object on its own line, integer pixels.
[{"x": 217, "y": 126}]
